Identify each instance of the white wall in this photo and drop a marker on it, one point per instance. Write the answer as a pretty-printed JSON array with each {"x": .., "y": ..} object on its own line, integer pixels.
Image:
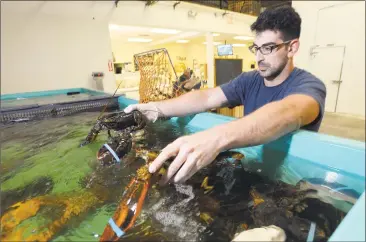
[
  {"x": 124, "y": 52},
  {"x": 162, "y": 14},
  {"x": 41, "y": 50},
  {"x": 197, "y": 52},
  {"x": 348, "y": 20}
]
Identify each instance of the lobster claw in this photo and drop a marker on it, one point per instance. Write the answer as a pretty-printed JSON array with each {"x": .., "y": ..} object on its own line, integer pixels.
[
  {"x": 90, "y": 138},
  {"x": 129, "y": 208},
  {"x": 92, "y": 134}
]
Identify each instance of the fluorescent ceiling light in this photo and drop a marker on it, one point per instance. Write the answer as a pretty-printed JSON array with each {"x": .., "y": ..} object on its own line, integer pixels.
[
  {"x": 215, "y": 34},
  {"x": 182, "y": 41},
  {"x": 215, "y": 43},
  {"x": 185, "y": 35},
  {"x": 165, "y": 31},
  {"x": 239, "y": 45},
  {"x": 139, "y": 40},
  {"x": 243, "y": 37},
  {"x": 126, "y": 28},
  {"x": 114, "y": 27}
]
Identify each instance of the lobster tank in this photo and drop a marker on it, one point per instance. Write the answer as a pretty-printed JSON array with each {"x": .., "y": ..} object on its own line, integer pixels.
[
  {"x": 31, "y": 105},
  {"x": 303, "y": 154},
  {"x": 41, "y": 161}
]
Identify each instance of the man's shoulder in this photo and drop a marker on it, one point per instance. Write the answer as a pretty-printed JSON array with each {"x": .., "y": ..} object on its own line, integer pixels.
[
  {"x": 307, "y": 83},
  {"x": 302, "y": 77},
  {"x": 236, "y": 88},
  {"x": 247, "y": 77},
  {"x": 250, "y": 74}
]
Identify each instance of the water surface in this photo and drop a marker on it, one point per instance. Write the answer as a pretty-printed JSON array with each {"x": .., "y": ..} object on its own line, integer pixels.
[{"x": 42, "y": 163}]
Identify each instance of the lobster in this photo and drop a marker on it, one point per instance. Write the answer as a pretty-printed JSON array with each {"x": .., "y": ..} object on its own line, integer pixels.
[
  {"x": 117, "y": 147},
  {"x": 131, "y": 203}
]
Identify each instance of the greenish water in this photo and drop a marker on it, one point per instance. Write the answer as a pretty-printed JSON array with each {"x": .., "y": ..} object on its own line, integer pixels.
[
  {"x": 43, "y": 158},
  {"x": 41, "y": 161}
]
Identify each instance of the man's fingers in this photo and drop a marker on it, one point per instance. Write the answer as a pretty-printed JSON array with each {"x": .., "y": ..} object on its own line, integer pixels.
[
  {"x": 183, "y": 173},
  {"x": 193, "y": 171},
  {"x": 130, "y": 108},
  {"x": 166, "y": 153},
  {"x": 170, "y": 150},
  {"x": 148, "y": 110},
  {"x": 175, "y": 165}
]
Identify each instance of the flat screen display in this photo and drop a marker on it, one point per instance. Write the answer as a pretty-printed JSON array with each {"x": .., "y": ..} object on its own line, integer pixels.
[{"x": 223, "y": 50}]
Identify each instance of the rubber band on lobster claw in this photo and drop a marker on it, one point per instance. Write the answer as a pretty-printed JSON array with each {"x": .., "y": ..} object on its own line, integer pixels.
[
  {"x": 129, "y": 209},
  {"x": 112, "y": 152},
  {"x": 115, "y": 228}
]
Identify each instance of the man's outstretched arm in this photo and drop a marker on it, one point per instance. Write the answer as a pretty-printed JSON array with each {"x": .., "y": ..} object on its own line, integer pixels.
[
  {"x": 268, "y": 123},
  {"x": 193, "y": 102},
  {"x": 186, "y": 104}
]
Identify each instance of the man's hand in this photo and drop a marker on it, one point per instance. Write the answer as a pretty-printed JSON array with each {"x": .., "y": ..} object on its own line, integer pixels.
[
  {"x": 192, "y": 153},
  {"x": 150, "y": 110},
  {"x": 266, "y": 124},
  {"x": 190, "y": 83}
]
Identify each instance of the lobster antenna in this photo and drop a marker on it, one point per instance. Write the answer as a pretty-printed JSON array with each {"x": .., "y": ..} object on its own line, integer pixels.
[{"x": 105, "y": 107}]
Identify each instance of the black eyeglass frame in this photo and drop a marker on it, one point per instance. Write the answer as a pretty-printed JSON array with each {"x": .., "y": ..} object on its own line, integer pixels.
[{"x": 271, "y": 47}]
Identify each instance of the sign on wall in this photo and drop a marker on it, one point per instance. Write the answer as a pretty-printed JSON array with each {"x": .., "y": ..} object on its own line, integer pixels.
[{"x": 110, "y": 65}]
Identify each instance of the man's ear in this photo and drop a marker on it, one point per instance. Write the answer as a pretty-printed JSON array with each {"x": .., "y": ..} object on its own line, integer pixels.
[{"x": 293, "y": 47}]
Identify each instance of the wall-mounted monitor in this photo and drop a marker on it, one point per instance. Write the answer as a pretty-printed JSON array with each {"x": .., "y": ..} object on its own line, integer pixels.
[{"x": 223, "y": 50}]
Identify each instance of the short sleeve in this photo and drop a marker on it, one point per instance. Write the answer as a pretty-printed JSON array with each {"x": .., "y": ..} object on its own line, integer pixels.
[
  {"x": 314, "y": 88},
  {"x": 234, "y": 90}
]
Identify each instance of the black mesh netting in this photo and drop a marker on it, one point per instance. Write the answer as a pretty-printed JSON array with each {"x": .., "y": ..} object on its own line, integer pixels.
[{"x": 33, "y": 112}]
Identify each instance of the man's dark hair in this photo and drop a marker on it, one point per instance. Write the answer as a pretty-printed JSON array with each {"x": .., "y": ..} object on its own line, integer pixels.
[{"x": 283, "y": 19}]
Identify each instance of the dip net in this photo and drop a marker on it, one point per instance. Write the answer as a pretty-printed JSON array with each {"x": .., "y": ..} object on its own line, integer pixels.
[{"x": 158, "y": 79}]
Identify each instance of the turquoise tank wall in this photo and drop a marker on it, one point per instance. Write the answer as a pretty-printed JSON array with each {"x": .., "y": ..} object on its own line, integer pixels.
[{"x": 49, "y": 93}]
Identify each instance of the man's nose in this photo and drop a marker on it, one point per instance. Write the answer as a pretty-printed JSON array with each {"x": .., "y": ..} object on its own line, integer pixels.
[{"x": 259, "y": 56}]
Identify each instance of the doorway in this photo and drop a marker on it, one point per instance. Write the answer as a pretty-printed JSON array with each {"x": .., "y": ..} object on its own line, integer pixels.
[
  {"x": 227, "y": 69},
  {"x": 326, "y": 63}
]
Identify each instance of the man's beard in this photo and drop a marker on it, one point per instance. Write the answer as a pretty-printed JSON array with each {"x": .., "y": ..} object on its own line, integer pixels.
[{"x": 271, "y": 73}]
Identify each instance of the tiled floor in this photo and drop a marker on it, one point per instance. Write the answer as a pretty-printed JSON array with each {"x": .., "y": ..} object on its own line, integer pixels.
[{"x": 343, "y": 126}]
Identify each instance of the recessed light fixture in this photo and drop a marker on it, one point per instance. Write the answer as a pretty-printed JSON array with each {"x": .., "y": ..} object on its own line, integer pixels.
[
  {"x": 182, "y": 41},
  {"x": 243, "y": 37},
  {"x": 165, "y": 31},
  {"x": 143, "y": 40},
  {"x": 239, "y": 45},
  {"x": 215, "y": 43}
]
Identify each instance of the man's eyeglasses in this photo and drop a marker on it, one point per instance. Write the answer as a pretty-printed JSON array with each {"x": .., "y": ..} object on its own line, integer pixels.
[{"x": 266, "y": 49}]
